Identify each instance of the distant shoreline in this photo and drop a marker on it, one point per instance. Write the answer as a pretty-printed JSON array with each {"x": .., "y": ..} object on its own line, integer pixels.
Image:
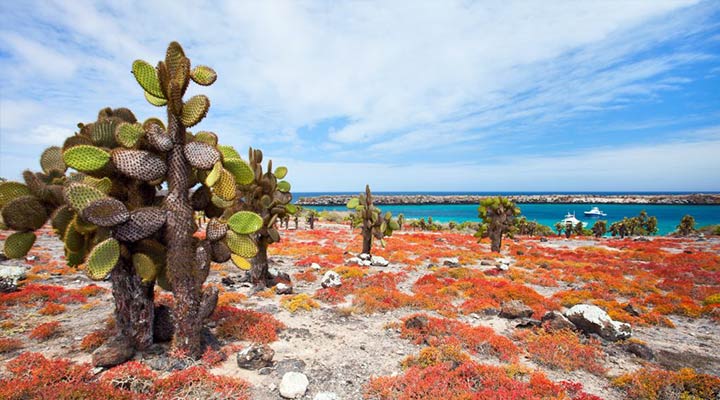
[{"x": 660, "y": 199}]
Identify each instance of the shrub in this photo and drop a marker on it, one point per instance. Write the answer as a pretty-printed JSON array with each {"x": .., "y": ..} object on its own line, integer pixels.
[
  {"x": 563, "y": 350},
  {"x": 7, "y": 345},
  {"x": 299, "y": 302},
  {"x": 52, "y": 309},
  {"x": 94, "y": 339},
  {"x": 198, "y": 383},
  {"x": 249, "y": 325},
  {"x": 45, "y": 331},
  {"x": 651, "y": 383}
]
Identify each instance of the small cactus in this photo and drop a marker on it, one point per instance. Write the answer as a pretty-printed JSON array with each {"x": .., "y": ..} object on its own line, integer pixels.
[{"x": 371, "y": 220}]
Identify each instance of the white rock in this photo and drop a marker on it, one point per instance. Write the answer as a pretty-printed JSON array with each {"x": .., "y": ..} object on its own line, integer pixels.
[
  {"x": 331, "y": 279},
  {"x": 315, "y": 267},
  {"x": 364, "y": 256},
  {"x": 293, "y": 385},
  {"x": 593, "y": 319},
  {"x": 378, "y": 261},
  {"x": 503, "y": 267},
  {"x": 353, "y": 260},
  {"x": 273, "y": 272},
  {"x": 326, "y": 396},
  {"x": 282, "y": 288},
  {"x": 365, "y": 263}
]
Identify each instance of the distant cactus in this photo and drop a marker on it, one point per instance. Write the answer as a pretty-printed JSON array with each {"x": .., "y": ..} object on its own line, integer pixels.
[
  {"x": 686, "y": 226},
  {"x": 267, "y": 194},
  {"x": 110, "y": 214},
  {"x": 497, "y": 215},
  {"x": 599, "y": 228},
  {"x": 372, "y": 222}
]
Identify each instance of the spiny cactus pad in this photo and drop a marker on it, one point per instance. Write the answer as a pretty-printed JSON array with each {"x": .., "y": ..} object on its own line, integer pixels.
[
  {"x": 201, "y": 155},
  {"x": 85, "y": 158},
  {"x": 139, "y": 164},
  {"x": 194, "y": 110},
  {"x": 241, "y": 262},
  {"x": 106, "y": 212},
  {"x": 203, "y": 75},
  {"x": 214, "y": 174},
  {"x": 215, "y": 230},
  {"x": 156, "y": 101},
  {"x": 241, "y": 245},
  {"x": 225, "y": 186},
  {"x": 128, "y": 135},
  {"x": 145, "y": 267},
  {"x": 18, "y": 244},
  {"x": 228, "y": 152},
  {"x": 102, "y": 184},
  {"x": 103, "y": 133},
  {"x": 353, "y": 203},
  {"x": 146, "y": 76},
  {"x": 283, "y": 186},
  {"x": 143, "y": 223},
  {"x": 24, "y": 213},
  {"x": 79, "y": 195},
  {"x": 240, "y": 169},
  {"x": 52, "y": 160},
  {"x": 245, "y": 222},
  {"x": 60, "y": 220},
  {"x": 102, "y": 259},
  {"x": 157, "y": 137},
  {"x": 207, "y": 137},
  {"x": 280, "y": 172},
  {"x": 11, "y": 190}
]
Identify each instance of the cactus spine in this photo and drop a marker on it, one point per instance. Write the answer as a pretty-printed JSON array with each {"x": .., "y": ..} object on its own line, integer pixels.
[{"x": 372, "y": 222}]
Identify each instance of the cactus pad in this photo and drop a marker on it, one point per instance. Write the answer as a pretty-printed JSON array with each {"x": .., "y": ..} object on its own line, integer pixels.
[
  {"x": 128, "y": 134},
  {"x": 79, "y": 195},
  {"x": 241, "y": 262},
  {"x": 103, "y": 133},
  {"x": 215, "y": 230},
  {"x": 201, "y": 155},
  {"x": 220, "y": 252},
  {"x": 241, "y": 171},
  {"x": 220, "y": 203},
  {"x": 207, "y": 137},
  {"x": 124, "y": 114},
  {"x": 143, "y": 223},
  {"x": 280, "y": 172},
  {"x": 106, "y": 212},
  {"x": 52, "y": 160},
  {"x": 203, "y": 75},
  {"x": 104, "y": 184},
  {"x": 86, "y": 158},
  {"x": 11, "y": 190},
  {"x": 283, "y": 186},
  {"x": 146, "y": 76},
  {"x": 156, "y": 101},
  {"x": 145, "y": 267},
  {"x": 24, "y": 213},
  {"x": 353, "y": 203},
  {"x": 102, "y": 259},
  {"x": 241, "y": 245},
  {"x": 214, "y": 174},
  {"x": 225, "y": 186},
  {"x": 194, "y": 110},
  {"x": 60, "y": 220},
  {"x": 76, "y": 140},
  {"x": 18, "y": 244},
  {"x": 157, "y": 137},
  {"x": 245, "y": 222},
  {"x": 153, "y": 249},
  {"x": 228, "y": 152},
  {"x": 74, "y": 240},
  {"x": 163, "y": 280},
  {"x": 139, "y": 164}
]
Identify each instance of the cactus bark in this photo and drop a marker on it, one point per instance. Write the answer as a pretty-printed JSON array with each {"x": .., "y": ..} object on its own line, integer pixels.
[
  {"x": 134, "y": 307},
  {"x": 259, "y": 274}
]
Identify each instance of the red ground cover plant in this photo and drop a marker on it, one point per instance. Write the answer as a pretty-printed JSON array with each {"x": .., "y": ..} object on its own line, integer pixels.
[
  {"x": 198, "y": 383},
  {"x": 94, "y": 339},
  {"x": 563, "y": 350},
  {"x": 652, "y": 383},
  {"x": 32, "y": 293},
  {"x": 132, "y": 376},
  {"x": 468, "y": 380},
  {"x": 7, "y": 345},
  {"x": 45, "y": 331},
  {"x": 240, "y": 324},
  {"x": 52, "y": 309},
  {"x": 421, "y": 328},
  {"x": 307, "y": 276}
]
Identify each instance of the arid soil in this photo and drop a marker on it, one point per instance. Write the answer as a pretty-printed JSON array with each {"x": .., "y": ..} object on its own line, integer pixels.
[{"x": 340, "y": 347}]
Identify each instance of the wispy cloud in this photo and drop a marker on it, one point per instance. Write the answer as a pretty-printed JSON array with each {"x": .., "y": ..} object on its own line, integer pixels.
[{"x": 444, "y": 82}]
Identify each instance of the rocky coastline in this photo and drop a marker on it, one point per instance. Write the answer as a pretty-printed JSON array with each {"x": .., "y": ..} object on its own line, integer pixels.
[{"x": 669, "y": 199}]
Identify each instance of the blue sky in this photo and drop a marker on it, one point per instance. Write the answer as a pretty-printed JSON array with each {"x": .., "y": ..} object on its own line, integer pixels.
[{"x": 471, "y": 96}]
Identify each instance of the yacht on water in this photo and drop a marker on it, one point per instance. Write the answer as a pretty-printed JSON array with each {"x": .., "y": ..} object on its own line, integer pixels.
[
  {"x": 594, "y": 212},
  {"x": 570, "y": 218}
]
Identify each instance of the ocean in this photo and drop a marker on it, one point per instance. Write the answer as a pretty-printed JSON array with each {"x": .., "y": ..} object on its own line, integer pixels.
[{"x": 548, "y": 214}]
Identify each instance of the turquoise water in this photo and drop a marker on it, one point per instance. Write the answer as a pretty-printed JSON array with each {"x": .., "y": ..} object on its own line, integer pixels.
[{"x": 548, "y": 214}]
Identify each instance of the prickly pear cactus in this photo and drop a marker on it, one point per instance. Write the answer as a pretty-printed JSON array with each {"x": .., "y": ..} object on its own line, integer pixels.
[
  {"x": 264, "y": 193},
  {"x": 371, "y": 220}
]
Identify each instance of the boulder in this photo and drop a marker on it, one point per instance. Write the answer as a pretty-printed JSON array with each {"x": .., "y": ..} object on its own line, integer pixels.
[
  {"x": 9, "y": 277},
  {"x": 555, "y": 321},
  {"x": 112, "y": 353},
  {"x": 331, "y": 279},
  {"x": 515, "y": 309},
  {"x": 364, "y": 256},
  {"x": 451, "y": 262},
  {"x": 293, "y": 385},
  {"x": 377, "y": 261},
  {"x": 255, "y": 357},
  {"x": 593, "y": 319},
  {"x": 640, "y": 350},
  {"x": 315, "y": 267},
  {"x": 283, "y": 288}
]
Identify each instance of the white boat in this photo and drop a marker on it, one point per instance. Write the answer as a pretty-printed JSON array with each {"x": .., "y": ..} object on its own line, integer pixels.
[
  {"x": 594, "y": 212},
  {"x": 570, "y": 218}
]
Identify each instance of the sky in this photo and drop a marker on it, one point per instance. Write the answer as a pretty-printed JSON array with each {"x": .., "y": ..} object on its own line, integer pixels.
[{"x": 401, "y": 95}]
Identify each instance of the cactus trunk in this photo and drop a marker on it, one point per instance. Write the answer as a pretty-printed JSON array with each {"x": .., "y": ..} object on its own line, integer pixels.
[
  {"x": 259, "y": 274},
  {"x": 367, "y": 240},
  {"x": 134, "y": 307},
  {"x": 180, "y": 247}
]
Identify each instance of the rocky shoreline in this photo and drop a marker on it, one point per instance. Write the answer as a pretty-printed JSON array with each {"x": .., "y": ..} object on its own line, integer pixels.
[{"x": 683, "y": 199}]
